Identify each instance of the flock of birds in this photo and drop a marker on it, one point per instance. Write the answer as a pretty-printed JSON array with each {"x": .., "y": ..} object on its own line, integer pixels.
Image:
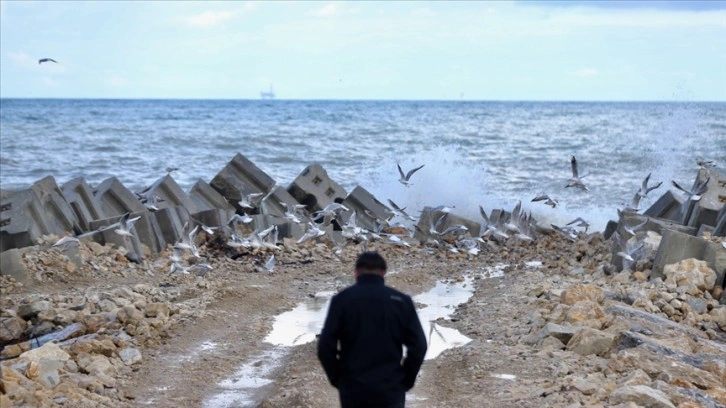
[{"x": 433, "y": 229}]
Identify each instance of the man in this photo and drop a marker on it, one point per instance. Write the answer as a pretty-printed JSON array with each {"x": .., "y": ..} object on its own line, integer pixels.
[{"x": 361, "y": 345}]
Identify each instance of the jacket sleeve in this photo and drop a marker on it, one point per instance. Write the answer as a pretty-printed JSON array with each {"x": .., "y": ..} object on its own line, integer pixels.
[
  {"x": 415, "y": 341},
  {"x": 328, "y": 342}
]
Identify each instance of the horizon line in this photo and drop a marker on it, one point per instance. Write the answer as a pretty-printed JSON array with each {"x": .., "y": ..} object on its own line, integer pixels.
[{"x": 366, "y": 100}]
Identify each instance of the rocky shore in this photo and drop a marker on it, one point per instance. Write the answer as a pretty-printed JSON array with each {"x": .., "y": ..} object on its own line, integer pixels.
[{"x": 570, "y": 334}]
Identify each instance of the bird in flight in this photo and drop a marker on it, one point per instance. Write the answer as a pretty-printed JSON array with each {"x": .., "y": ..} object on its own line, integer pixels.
[
  {"x": 576, "y": 180},
  {"x": 406, "y": 177},
  {"x": 42, "y": 60}
]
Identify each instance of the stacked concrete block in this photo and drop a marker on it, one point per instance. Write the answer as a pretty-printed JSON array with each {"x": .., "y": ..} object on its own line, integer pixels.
[
  {"x": 270, "y": 204},
  {"x": 314, "y": 188},
  {"x": 241, "y": 177},
  {"x": 171, "y": 222},
  {"x": 215, "y": 217},
  {"x": 668, "y": 207},
  {"x": 285, "y": 228},
  {"x": 429, "y": 217},
  {"x": 171, "y": 195},
  {"x": 205, "y": 198},
  {"x": 26, "y": 215},
  {"x": 676, "y": 246},
  {"x": 79, "y": 195},
  {"x": 364, "y": 203},
  {"x": 720, "y": 228},
  {"x": 115, "y": 200},
  {"x": 706, "y": 210},
  {"x": 651, "y": 224}
]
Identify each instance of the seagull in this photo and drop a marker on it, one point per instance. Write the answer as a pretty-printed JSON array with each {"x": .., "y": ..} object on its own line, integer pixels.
[
  {"x": 200, "y": 269},
  {"x": 550, "y": 201},
  {"x": 312, "y": 232},
  {"x": 443, "y": 208},
  {"x": 579, "y": 222},
  {"x": 632, "y": 229},
  {"x": 405, "y": 178},
  {"x": 706, "y": 164},
  {"x": 576, "y": 180},
  {"x": 246, "y": 201},
  {"x": 177, "y": 254},
  {"x": 186, "y": 242},
  {"x": 396, "y": 240},
  {"x": 42, "y": 60},
  {"x": 269, "y": 265},
  {"x": 170, "y": 169},
  {"x": 513, "y": 224},
  {"x": 400, "y": 211},
  {"x": 66, "y": 243},
  {"x": 627, "y": 249},
  {"x": 455, "y": 230},
  {"x": 568, "y": 232},
  {"x": 644, "y": 189},
  {"x": 175, "y": 267},
  {"x": 244, "y": 219},
  {"x": 329, "y": 213},
  {"x": 125, "y": 225},
  {"x": 697, "y": 190}
]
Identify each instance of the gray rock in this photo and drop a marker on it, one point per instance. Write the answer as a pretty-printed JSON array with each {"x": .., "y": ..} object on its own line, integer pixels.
[
  {"x": 641, "y": 395},
  {"x": 29, "y": 310},
  {"x": 130, "y": 355},
  {"x": 587, "y": 341}
]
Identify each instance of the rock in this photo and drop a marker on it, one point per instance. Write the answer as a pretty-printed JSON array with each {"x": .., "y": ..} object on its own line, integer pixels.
[
  {"x": 690, "y": 272},
  {"x": 585, "y": 313},
  {"x": 159, "y": 310},
  {"x": 46, "y": 372},
  {"x": 697, "y": 305},
  {"x": 561, "y": 333},
  {"x": 640, "y": 276},
  {"x": 11, "y": 329},
  {"x": 29, "y": 310},
  {"x": 641, "y": 395},
  {"x": 587, "y": 341},
  {"x": 550, "y": 343},
  {"x": 637, "y": 377},
  {"x": 718, "y": 314},
  {"x": 95, "y": 363},
  {"x": 130, "y": 355},
  {"x": 49, "y": 351},
  {"x": 130, "y": 314},
  {"x": 576, "y": 293}
]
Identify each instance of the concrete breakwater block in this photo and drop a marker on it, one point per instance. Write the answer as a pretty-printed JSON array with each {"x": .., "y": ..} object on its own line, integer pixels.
[
  {"x": 79, "y": 196},
  {"x": 241, "y": 177},
  {"x": 270, "y": 204},
  {"x": 205, "y": 198},
  {"x": 146, "y": 231},
  {"x": 706, "y": 210},
  {"x": 363, "y": 202},
  {"x": 429, "y": 216},
  {"x": 105, "y": 235},
  {"x": 677, "y": 246},
  {"x": 668, "y": 207},
  {"x": 26, "y": 215},
  {"x": 171, "y": 194},
  {"x": 171, "y": 222},
  {"x": 215, "y": 217},
  {"x": 720, "y": 228},
  {"x": 285, "y": 228},
  {"x": 116, "y": 200},
  {"x": 314, "y": 188},
  {"x": 657, "y": 225}
]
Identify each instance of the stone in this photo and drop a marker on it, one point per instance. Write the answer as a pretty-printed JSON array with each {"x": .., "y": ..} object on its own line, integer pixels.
[
  {"x": 561, "y": 333},
  {"x": 587, "y": 341},
  {"x": 130, "y": 314},
  {"x": 641, "y": 395},
  {"x": 667, "y": 207},
  {"x": 585, "y": 313},
  {"x": 315, "y": 189},
  {"x": 364, "y": 203},
  {"x": 207, "y": 198},
  {"x": 47, "y": 372},
  {"x": 582, "y": 291},
  {"x": 29, "y": 310},
  {"x": 11, "y": 329},
  {"x": 79, "y": 196},
  {"x": 718, "y": 314},
  {"x": 115, "y": 200},
  {"x": 27, "y": 215},
  {"x": 171, "y": 195},
  {"x": 130, "y": 356},
  {"x": 48, "y": 351},
  {"x": 160, "y": 310},
  {"x": 690, "y": 272},
  {"x": 95, "y": 363},
  {"x": 550, "y": 343},
  {"x": 241, "y": 176},
  {"x": 11, "y": 264},
  {"x": 636, "y": 377}
]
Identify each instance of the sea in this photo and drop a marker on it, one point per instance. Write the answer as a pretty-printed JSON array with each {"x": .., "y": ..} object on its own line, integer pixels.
[{"x": 474, "y": 153}]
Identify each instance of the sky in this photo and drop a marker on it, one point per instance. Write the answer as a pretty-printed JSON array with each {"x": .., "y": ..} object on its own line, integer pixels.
[{"x": 499, "y": 50}]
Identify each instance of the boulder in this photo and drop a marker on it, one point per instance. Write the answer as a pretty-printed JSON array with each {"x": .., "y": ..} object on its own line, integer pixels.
[
  {"x": 11, "y": 264},
  {"x": 585, "y": 313},
  {"x": 29, "y": 310},
  {"x": 641, "y": 395},
  {"x": 130, "y": 355},
  {"x": 587, "y": 341},
  {"x": 11, "y": 329},
  {"x": 583, "y": 291},
  {"x": 690, "y": 273},
  {"x": 48, "y": 351},
  {"x": 561, "y": 333}
]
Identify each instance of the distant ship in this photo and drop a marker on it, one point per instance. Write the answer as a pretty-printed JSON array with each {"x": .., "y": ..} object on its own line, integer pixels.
[{"x": 268, "y": 94}]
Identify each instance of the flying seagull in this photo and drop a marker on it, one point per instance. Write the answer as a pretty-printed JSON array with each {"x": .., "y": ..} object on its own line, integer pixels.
[
  {"x": 125, "y": 225},
  {"x": 698, "y": 189},
  {"x": 576, "y": 180},
  {"x": 549, "y": 200},
  {"x": 42, "y": 60},
  {"x": 644, "y": 189},
  {"x": 405, "y": 178}
]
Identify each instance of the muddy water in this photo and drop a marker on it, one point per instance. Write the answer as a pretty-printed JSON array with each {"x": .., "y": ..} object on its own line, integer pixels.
[{"x": 301, "y": 324}]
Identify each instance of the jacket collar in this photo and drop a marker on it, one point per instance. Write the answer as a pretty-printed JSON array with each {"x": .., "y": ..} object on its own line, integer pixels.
[{"x": 370, "y": 278}]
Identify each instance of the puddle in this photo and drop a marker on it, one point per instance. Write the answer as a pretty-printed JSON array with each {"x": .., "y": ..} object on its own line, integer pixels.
[
  {"x": 504, "y": 376},
  {"x": 301, "y": 324}
]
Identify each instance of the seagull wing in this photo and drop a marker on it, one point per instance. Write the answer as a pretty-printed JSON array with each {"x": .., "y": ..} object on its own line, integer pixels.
[
  {"x": 541, "y": 197},
  {"x": 52, "y": 60},
  {"x": 644, "y": 186},
  {"x": 394, "y": 205},
  {"x": 410, "y": 173},
  {"x": 573, "y": 164},
  {"x": 484, "y": 214},
  {"x": 654, "y": 187},
  {"x": 400, "y": 171},
  {"x": 636, "y": 201},
  {"x": 676, "y": 185}
]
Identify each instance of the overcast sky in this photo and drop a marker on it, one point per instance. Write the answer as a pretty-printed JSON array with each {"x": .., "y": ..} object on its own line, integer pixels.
[{"x": 336, "y": 50}]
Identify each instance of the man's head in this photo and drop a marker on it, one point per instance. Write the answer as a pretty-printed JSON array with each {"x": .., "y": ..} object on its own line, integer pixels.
[{"x": 370, "y": 263}]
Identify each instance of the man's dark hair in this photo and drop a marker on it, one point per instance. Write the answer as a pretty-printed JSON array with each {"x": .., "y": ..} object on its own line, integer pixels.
[{"x": 370, "y": 261}]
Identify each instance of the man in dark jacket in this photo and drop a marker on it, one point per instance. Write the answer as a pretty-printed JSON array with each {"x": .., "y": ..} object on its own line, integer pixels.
[{"x": 361, "y": 345}]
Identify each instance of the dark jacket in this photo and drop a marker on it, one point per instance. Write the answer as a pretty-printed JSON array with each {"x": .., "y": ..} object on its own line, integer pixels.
[{"x": 372, "y": 322}]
